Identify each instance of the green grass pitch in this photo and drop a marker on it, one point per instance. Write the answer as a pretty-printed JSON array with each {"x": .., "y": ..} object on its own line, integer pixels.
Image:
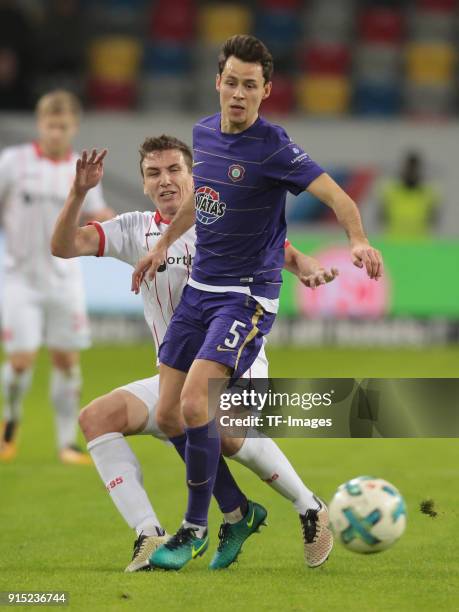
[{"x": 60, "y": 531}]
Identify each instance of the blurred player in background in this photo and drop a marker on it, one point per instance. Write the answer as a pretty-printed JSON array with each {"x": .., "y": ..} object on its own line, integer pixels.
[
  {"x": 166, "y": 172},
  {"x": 44, "y": 301},
  {"x": 409, "y": 203},
  {"x": 243, "y": 168}
]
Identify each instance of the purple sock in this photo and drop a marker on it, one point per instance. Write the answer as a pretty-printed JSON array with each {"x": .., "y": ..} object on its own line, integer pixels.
[
  {"x": 180, "y": 444},
  {"x": 228, "y": 495},
  {"x": 202, "y": 453}
]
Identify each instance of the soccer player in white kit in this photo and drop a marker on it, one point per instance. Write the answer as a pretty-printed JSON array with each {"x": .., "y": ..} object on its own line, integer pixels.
[
  {"x": 44, "y": 301},
  {"x": 166, "y": 171}
]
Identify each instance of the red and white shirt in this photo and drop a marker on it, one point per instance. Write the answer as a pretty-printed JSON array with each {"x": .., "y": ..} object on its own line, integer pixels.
[
  {"x": 129, "y": 237},
  {"x": 33, "y": 189}
]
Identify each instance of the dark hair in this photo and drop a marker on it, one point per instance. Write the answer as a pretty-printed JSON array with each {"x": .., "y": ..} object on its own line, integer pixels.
[
  {"x": 248, "y": 49},
  {"x": 165, "y": 143}
]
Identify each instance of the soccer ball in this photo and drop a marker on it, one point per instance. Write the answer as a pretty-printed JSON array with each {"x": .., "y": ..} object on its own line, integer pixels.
[{"x": 367, "y": 514}]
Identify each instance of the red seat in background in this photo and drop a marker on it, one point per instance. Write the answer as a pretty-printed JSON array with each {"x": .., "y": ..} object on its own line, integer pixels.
[
  {"x": 172, "y": 20},
  {"x": 112, "y": 95},
  {"x": 284, "y": 5},
  {"x": 282, "y": 98},
  {"x": 382, "y": 25},
  {"x": 322, "y": 58},
  {"x": 444, "y": 6}
]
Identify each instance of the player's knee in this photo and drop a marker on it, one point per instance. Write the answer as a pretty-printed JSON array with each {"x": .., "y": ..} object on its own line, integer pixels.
[
  {"x": 230, "y": 446},
  {"x": 20, "y": 368},
  {"x": 194, "y": 407},
  {"x": 169, "y": 422},
  {"x": 86, "y": 420},
  {"x": 65, "y": 360},
  {"x": 21, "y": 363},
  {"x": 95, "y": 421}
]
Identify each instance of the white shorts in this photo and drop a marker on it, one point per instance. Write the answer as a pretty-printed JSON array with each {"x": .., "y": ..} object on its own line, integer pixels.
[
  {"x": 147, "y": 391},
  {"x": 32, "y": 318}
]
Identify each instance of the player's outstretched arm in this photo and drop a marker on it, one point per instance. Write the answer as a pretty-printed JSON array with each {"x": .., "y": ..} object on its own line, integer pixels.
[
  {"x": 104, "y": 214},
  {"x": 68, "y": 239},
  {"x": 363, "y": 254},
  {"x": 307, "y": 268},
  {"x": 148, "y": 265}
]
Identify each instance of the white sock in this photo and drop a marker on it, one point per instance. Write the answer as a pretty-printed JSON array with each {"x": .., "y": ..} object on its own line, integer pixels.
[
  {"x": 122, "y": 475},
  {"x": 65, "y": 395},
  {"x": 14, "y": 386},
  {"x": 200, "y": 530},
  {"x": 265, "y": 458},
  {"x": 233, "y": 517}
]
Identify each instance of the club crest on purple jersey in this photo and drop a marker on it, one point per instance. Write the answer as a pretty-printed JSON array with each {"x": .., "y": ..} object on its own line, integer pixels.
[
  {"x": 208, "y": 206},
  {"x": 236, "y": 172}
]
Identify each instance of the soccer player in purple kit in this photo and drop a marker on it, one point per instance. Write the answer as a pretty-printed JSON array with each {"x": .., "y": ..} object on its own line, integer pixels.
[{"x": 243, "y": 168}]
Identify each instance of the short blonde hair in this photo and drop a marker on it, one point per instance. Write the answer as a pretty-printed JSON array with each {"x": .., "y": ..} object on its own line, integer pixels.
[{"x": 57, "y": 102}]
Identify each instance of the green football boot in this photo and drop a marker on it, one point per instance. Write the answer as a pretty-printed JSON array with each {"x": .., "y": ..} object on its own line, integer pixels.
[
  {"x": 233, "y": 536},
  {"x": 179, "y": 549}
]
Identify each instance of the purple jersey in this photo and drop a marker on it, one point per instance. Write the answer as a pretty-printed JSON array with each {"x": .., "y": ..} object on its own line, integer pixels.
[{"x": 241, "y": 183}]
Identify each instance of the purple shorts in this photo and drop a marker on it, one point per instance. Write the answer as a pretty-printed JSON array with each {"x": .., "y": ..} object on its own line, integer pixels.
[{"x": 224, "y": 327}]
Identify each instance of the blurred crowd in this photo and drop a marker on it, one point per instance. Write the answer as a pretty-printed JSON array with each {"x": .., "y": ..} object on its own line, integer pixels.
[{"x": 332, "y": 57}]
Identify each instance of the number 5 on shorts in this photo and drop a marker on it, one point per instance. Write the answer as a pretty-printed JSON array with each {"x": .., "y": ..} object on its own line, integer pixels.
[{"x": 232, "y": 342}]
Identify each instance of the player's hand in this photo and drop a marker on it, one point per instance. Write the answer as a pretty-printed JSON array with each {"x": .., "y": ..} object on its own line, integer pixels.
[
  {"x": 89, "y": 171},
  {"x": 321, "y": 276},
  {"x": 148, "y": 266},
  {"x": 364, "y": 255}
]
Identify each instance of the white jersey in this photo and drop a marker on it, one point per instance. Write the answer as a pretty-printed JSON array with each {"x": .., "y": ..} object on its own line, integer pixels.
[
  {"x": 129, "y": 237},
  {"x": 33, "y": 189}
]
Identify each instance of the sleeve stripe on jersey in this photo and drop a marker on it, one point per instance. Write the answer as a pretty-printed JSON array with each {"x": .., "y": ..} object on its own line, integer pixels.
[
  {"x": 318, "y": 172},
  {"x": 169, "y": 287},
  {"x": 187, "y": 261},
  {"x": 100, "y": 231},
  {"x": 170, "y": 295},
  {"x": 276, "y": 152},
  {"x": 236, "y": 159},
  {"x": 159, "y": 302},
  {"x": 207, "y": 178},
  {"x": 287, "y": 244},
  {"x": 156, "y": 336},
  {"x": 146, "y": 235},
  {"x": 206, "y": 127}
]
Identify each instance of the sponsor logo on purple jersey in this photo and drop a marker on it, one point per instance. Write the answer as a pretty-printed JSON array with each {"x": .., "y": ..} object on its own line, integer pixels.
[{"x": 208, "y": 205}]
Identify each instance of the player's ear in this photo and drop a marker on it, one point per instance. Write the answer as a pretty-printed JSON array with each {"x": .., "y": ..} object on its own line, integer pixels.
[
  {"x": 267, "y": 90},
  {"x": 218, "y": 81}
]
